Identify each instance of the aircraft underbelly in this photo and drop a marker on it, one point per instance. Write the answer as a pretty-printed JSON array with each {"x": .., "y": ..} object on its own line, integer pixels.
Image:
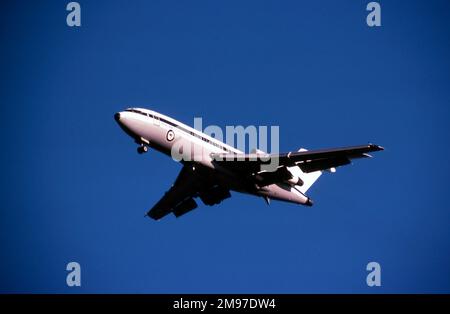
[{"x": 283, "y": 192}]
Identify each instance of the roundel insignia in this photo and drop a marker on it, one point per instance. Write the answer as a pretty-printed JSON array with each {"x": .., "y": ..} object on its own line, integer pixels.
[{"x": 170, "y": 135}]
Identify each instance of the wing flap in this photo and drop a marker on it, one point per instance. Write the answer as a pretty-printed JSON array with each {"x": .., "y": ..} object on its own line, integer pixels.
[
  {"x": 322, "y": 164},
  {"x": 184, "y": 207}
]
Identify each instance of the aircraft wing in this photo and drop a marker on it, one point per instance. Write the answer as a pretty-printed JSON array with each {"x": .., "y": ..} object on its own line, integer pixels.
[
  {"x": 179, "y": 199},
  {"x": 179, "y": 195},
  {"x": 308, "y": 161}
]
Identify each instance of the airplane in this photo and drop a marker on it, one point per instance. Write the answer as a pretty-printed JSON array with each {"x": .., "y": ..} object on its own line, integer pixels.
[{"x": 222, "y": 168}]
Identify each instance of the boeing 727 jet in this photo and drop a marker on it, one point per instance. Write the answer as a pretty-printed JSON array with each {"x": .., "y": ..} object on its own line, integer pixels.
[{"x": 211, "y": 168}]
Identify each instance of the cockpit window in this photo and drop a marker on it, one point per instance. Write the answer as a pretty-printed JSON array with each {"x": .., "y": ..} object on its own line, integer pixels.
[
  {"x": 137, "y": 111},
  {"x": 140, "y": 112}
]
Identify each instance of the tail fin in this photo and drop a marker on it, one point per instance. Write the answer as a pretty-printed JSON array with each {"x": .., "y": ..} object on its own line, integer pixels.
[{"x": 307, "y": 178}]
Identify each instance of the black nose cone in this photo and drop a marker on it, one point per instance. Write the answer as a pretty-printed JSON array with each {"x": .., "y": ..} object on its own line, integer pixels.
[{"x": 117, "y": 116}]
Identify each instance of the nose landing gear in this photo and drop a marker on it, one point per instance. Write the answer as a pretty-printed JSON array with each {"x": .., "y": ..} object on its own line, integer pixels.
[{"x": 142, "y": 149}]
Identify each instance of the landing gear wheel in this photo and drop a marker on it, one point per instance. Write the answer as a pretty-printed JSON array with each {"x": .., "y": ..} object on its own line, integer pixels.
[{"x": 142, "y": 149}]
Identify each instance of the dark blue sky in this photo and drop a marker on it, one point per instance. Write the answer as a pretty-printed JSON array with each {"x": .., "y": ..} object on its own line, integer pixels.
[{"x": 73, "y": 187}]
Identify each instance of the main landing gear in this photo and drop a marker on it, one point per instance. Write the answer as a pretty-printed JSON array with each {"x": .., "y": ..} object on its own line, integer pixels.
[{"x": 142, "y": 149}]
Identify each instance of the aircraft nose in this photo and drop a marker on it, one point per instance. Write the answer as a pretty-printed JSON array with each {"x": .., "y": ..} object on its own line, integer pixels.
[{"x": 117, "y": 116}]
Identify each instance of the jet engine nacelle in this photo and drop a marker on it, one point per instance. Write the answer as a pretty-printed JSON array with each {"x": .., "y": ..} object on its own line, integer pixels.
[
  {"x": 294, "y": 173},
  {"x": 288, "y": 175},
  {"x": 295, "y": 180}
]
